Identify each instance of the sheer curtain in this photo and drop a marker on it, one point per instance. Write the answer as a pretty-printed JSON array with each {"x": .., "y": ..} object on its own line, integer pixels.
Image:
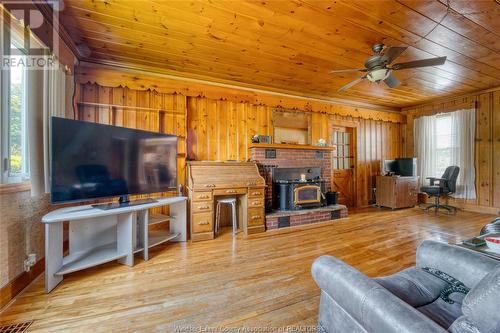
[
  {"x": 463, "y": 127},
  {"x": 462, "y": 144},
  {"x": 47, "y": 98},
  {"x": 425, "y": 147}
]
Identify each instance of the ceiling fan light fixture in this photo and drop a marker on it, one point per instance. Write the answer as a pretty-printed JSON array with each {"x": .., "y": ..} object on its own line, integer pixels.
[{"x": 378, "y": 74}]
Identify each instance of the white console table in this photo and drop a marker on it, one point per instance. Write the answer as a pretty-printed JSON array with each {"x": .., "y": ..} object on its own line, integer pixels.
[{"x": 98, "y": 236}]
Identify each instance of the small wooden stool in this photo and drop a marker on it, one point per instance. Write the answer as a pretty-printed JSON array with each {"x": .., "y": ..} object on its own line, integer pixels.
[{"x": 226, "y": 201}]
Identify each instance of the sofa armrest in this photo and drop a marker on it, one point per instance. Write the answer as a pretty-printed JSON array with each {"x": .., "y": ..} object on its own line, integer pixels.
[
  {"x": 372, "y": 306},
  {"x": 463, "y": 264}
]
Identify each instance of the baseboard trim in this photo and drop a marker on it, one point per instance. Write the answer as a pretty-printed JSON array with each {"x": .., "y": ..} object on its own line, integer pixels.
[
  {"x": 14, "y": 287},
  {"x": 464, "y": 205},
  {"x": 477, "y": 209}
]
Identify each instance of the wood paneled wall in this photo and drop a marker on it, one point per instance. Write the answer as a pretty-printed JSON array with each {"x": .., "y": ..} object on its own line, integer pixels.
[
  {"x": 222, "y": 130},
  {"x": 487, "y": 147},
  {"x": 376, "y": 141}
]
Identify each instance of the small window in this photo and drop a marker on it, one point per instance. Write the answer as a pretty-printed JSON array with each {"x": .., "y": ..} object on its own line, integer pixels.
[{"x": 15, "y": 156}]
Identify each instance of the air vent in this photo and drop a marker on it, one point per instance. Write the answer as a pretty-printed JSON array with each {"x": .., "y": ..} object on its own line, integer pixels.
[
  {"x": 16, "y": 328},
  {"x": 335, "y": 214},
  {"x": 283, "y": 221}
]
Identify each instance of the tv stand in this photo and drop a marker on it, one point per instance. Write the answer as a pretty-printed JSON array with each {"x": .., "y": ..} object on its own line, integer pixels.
[
  {"x": 123, "y": 202},
  {"x": 97, "y": 236}
]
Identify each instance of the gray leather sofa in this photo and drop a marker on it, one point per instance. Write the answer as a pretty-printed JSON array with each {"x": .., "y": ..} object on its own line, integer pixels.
[{"x": 413, "y": 300}]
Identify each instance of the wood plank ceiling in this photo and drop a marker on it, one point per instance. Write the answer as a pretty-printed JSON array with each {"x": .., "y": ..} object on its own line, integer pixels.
[{"x": 290, "y": 46}]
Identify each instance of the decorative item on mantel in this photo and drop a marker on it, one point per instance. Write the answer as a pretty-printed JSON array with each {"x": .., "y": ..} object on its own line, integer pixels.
[
  {"x": 261, "y": 138},
  {"x": 321, "y": 143}
]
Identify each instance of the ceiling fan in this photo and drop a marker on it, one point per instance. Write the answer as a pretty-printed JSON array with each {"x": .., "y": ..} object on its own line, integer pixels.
[{"x": 378, "y": 66}]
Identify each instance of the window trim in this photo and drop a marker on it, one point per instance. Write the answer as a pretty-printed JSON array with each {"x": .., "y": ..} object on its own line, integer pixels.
[
  {"x": 4, "y": 122},
  {"x": 15, "y": 187}
]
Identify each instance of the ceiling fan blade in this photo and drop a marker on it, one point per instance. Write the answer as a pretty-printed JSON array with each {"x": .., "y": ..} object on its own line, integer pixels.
[
  {"x": 420, "y": 63},
  {"x": 352, "y": 83},
  {"x": 392, "y": 81},
  {"x": 392, "y": 53},
  {"x": 348, "y": 70}
]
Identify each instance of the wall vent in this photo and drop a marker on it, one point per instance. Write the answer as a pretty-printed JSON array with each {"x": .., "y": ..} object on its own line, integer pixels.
[
  {"x": 16, "y": 328},
  {"x": 283, "y": 221}
]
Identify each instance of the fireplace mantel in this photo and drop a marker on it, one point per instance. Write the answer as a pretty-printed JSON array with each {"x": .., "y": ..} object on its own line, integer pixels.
[{"x": 287, "y": 146}]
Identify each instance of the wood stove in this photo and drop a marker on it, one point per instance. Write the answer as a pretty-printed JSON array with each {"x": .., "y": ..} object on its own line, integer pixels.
[{"x": 297, "y": 188}]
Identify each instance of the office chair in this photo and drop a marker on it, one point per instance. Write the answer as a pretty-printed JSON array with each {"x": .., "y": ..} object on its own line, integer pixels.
[{"x": 446, "y": 185}]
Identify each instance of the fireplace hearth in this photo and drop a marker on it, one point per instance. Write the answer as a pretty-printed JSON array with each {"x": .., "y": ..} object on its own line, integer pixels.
[{"x": 297, "y": 188}]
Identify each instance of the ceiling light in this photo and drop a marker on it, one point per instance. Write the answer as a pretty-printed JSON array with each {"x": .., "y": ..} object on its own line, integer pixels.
[{"x": 378, "y": 74}]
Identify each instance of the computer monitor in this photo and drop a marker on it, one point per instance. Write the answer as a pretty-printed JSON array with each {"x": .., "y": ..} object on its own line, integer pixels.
[
  {"x": 407, "y": 166},
  {"x": 389, "y": 167}
]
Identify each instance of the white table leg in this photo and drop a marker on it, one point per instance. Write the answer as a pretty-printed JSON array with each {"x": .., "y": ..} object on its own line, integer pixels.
[
  {"x": 53, "y": 254},
  {"x": 124, "y": 237},
  {"x": 179, "y": 223}
]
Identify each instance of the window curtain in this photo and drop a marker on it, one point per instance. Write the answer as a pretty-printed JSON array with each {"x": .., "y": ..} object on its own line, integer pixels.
[
  {"x": 463, "y": 125},
  {"x": 47, "y": 98},
  {"x": 425, "y": 147}
]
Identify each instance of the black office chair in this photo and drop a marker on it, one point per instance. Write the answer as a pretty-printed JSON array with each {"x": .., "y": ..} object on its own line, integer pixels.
[{"x": 447, "y": 185}]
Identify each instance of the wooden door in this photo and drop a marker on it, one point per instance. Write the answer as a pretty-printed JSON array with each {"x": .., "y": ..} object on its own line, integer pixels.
[
  {"x": 344, "y": 162},
  {"x": 343, "y": 182}
]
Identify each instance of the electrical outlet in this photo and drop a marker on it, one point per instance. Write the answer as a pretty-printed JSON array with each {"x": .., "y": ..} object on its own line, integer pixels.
[{"x": 29, "y": 262}]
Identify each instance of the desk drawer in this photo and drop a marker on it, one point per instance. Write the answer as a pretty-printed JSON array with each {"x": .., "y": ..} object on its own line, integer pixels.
[
  {"x": 202, "y": 222},
  {"x": 230, "y": 191},
  {"x": 255, "y": 202},
  {"x": 255, "y": 216},
  {"x": 201, "y": 207},
  {"x": 255, "y": 192},
  {"x": 202, "y": 196}
]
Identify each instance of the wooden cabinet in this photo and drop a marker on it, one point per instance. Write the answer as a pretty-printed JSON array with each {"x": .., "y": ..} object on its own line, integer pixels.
[
  {"x": 209, "y": 180},
  {"x": 397, "y": 192}
]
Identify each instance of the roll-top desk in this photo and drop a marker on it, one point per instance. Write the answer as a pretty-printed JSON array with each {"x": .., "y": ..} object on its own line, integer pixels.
[{"x": 209, "y": 180}]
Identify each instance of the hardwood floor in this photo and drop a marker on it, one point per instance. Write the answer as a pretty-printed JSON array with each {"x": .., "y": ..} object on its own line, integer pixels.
[{"x": 262, "y": 281}]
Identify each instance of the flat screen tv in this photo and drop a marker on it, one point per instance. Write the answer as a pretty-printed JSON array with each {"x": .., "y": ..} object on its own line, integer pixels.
[
  {"x": 91, "y": 161},
  {"x": 407, "y": 166},
  {"x": 400, "y": 166}
]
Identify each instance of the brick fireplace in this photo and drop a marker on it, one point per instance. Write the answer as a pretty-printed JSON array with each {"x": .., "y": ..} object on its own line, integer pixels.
[
  {"x": 291, "y": 158},
  {"x": 269, "y": 157}
]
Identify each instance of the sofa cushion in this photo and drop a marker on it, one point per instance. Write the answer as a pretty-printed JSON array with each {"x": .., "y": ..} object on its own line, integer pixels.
[
  {"x": 421, "y": 290},
  {"x": 443, "y": 313},
  {"x": 413, "y": 285},
  {"x": 481, "y": 306}
]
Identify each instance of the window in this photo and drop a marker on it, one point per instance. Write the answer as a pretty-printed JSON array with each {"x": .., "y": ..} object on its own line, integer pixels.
[
  {"x": 343, "y": 154},
  {"x": 446, "y": 139},
  {"x": 15, "y": 156}
]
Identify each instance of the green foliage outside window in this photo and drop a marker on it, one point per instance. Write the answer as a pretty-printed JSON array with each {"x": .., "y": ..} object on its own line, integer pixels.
[{"x": 16, "y": 128}]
